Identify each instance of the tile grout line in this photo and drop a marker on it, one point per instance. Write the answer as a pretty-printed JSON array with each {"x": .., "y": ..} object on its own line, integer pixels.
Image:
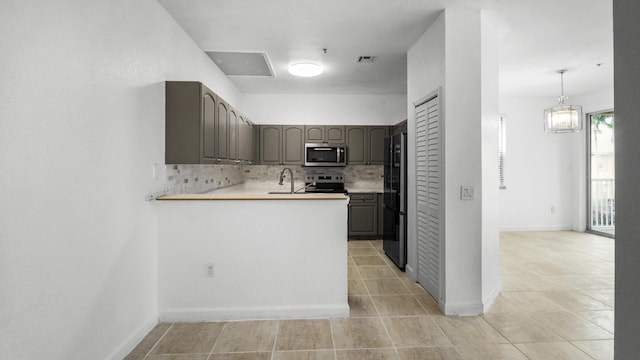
[
  {"x": 384, "y": 326},
  {"x": 157, "y": 342},
  {"x": 333, "y": 341},
  {"x": 275, "y": 341},
  {"x": 216, "y": 342}
]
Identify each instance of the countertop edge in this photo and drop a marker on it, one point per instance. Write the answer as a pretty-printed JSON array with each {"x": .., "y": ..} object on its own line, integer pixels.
[{"x": 270, "y": 197}]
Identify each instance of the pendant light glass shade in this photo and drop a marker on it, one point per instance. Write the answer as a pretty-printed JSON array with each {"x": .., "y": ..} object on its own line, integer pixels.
[{"x": 563, "y": 118}]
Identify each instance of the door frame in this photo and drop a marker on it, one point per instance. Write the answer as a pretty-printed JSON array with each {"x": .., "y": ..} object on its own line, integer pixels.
[{"x": 588, "y": 115}]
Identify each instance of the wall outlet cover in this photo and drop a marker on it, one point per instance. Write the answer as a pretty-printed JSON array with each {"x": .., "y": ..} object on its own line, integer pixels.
[{"x": 466, "y": 192}]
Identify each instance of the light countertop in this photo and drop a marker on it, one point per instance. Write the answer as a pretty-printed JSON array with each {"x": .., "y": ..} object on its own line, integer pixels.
[
  {"x": 260, "y": 191},
  {"x": 255, "y": 192},
  {"x": 254, "y": 196}
]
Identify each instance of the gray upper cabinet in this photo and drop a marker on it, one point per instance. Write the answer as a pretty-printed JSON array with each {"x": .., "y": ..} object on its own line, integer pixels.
[
  {"x": 324, "y": 134},
  {"x": 222, "y": 130},
  {"x": 281, "y": 145},
  {"x": 365, "y": 144},
  {"x": 314, "y": 134},
  {"x": 233, "y": 136},
  {"x": 246, "y": 140},
  {"x": 270, "y": 144},
  {"x": 190, "y": 123},
  {"x": 399, "y": 128},
  {"x": 209, "y": 101},
  {"x": 376, "y": 136},
  {"x": 293, "y": 145},
  {"x": 356, "y": 145},
  {"x": 201, "y": 128}
]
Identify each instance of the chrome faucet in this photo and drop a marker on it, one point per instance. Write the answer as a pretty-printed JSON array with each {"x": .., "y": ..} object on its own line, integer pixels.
[{"x": 282, "y": 178}]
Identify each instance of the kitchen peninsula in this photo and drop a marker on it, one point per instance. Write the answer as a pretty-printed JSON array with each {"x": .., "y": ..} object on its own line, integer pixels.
[{"x": 241, "y": 253}]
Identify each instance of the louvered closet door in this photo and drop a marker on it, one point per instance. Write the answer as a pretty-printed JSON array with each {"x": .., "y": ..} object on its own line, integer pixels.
[{"x": 429, "y": 190}]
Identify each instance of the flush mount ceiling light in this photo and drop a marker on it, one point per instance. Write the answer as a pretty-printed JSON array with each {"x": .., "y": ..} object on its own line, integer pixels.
[
  {"x": 305, "y": 69},
  {"x": 563, "y": 118}
]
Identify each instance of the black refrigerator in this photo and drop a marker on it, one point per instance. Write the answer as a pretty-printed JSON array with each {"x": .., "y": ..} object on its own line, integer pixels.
[{"x": 395, "y": 199}]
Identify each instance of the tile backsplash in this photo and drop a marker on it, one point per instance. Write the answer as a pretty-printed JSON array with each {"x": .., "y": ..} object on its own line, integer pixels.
[{"x": 190, "y": 179}]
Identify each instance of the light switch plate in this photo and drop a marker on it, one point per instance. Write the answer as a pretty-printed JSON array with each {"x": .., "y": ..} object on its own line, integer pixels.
[{"x": 466, "y": 192}]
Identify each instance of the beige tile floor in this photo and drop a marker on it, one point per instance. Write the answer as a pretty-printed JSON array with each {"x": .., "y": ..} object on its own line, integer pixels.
[{"x": 556, "y": 303}]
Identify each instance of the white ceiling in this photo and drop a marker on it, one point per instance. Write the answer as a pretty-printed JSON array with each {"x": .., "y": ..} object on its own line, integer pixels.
[{"x": 538, "y": 37}]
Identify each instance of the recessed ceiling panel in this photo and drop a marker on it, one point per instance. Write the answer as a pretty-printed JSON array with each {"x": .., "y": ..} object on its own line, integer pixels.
[{"x": 242, "y": 63}]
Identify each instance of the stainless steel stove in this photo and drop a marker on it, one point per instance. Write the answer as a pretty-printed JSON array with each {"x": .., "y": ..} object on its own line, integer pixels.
[{"x": 324, "y": 183}]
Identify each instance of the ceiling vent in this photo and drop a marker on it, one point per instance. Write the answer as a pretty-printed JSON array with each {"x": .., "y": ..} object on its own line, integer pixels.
[
  {"x": 365, "y": 59},
  {"x": 242, "y": 63}
]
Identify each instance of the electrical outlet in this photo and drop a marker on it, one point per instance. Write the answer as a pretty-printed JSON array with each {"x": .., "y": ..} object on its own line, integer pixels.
[
  {"x": 466, "y": 192},
  {"x": 210, "y": 270}
]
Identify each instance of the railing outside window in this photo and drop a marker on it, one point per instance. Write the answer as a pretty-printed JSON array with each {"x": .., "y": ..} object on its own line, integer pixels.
[{"x": 603, "y": 204}]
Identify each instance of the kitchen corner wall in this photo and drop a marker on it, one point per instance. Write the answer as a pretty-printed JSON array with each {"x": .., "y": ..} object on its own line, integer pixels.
[
  {"x": 80, "y": 134},
  {"x": 190, "y": 179}
]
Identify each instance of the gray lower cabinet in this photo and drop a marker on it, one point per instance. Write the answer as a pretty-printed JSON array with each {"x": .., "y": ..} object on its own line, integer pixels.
[
  {"x": 365, "y": 144},
  {"x": 281, "y": 145},
  {"x": 363, "y": 215}
]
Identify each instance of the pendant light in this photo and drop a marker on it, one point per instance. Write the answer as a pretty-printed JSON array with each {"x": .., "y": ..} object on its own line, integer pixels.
[{"x": 563, "y": 118}]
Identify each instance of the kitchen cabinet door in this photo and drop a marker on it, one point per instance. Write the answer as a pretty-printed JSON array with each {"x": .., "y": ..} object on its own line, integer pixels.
[
  {"x": 356, "y": 145},
  {"x": 293, "y": 145},
  {"x": 190, "y": 123},
  {"x": 241, "y": 144},
  {"x": 222, "y": 133},
  {"x": 247, "y": 140},
  {"x": 270, "y": 144},
  {"x": 335, "y": 134},
  {"x": 233, "y": 136},
  {"x": 363, "y": 216},
  {"x": 209, "y": 101},
  {"x": 314, "y": 133},
  {"x": 375, "y": 145}
]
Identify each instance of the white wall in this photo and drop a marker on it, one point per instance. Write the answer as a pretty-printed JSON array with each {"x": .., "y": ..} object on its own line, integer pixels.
[
  {"x": 545, "y": 170},
  {"x": 81, "y": 123},
  {"x": 491, "y": 284},
  {"x": 329, "y": 109},
  {"x": 458, "y": 53},
  {"x": 425, "y": 69},
  {"x": 300, "y": 273}
]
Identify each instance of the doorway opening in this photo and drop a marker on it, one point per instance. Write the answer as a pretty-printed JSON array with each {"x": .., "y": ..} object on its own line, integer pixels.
[{"x": 601, "y": 203}]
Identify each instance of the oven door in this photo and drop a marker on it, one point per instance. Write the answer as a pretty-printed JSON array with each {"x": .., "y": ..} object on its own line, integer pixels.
[{"x": 324, "y": 155}]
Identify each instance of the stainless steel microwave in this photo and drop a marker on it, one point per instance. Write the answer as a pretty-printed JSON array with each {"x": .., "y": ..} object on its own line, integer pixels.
[{"x": 325, "y": 154}]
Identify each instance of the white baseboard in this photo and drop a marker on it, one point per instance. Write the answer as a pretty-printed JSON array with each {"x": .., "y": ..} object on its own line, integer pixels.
[
  {"x": 134, "y": 339},
  {"x": 254, "y": 313},
  {"x": 469, "y": 309},
  {"x": 410, "y": 272},
  {"x": 491, "y": 297},
  {"x": 535, "y": 228}
]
